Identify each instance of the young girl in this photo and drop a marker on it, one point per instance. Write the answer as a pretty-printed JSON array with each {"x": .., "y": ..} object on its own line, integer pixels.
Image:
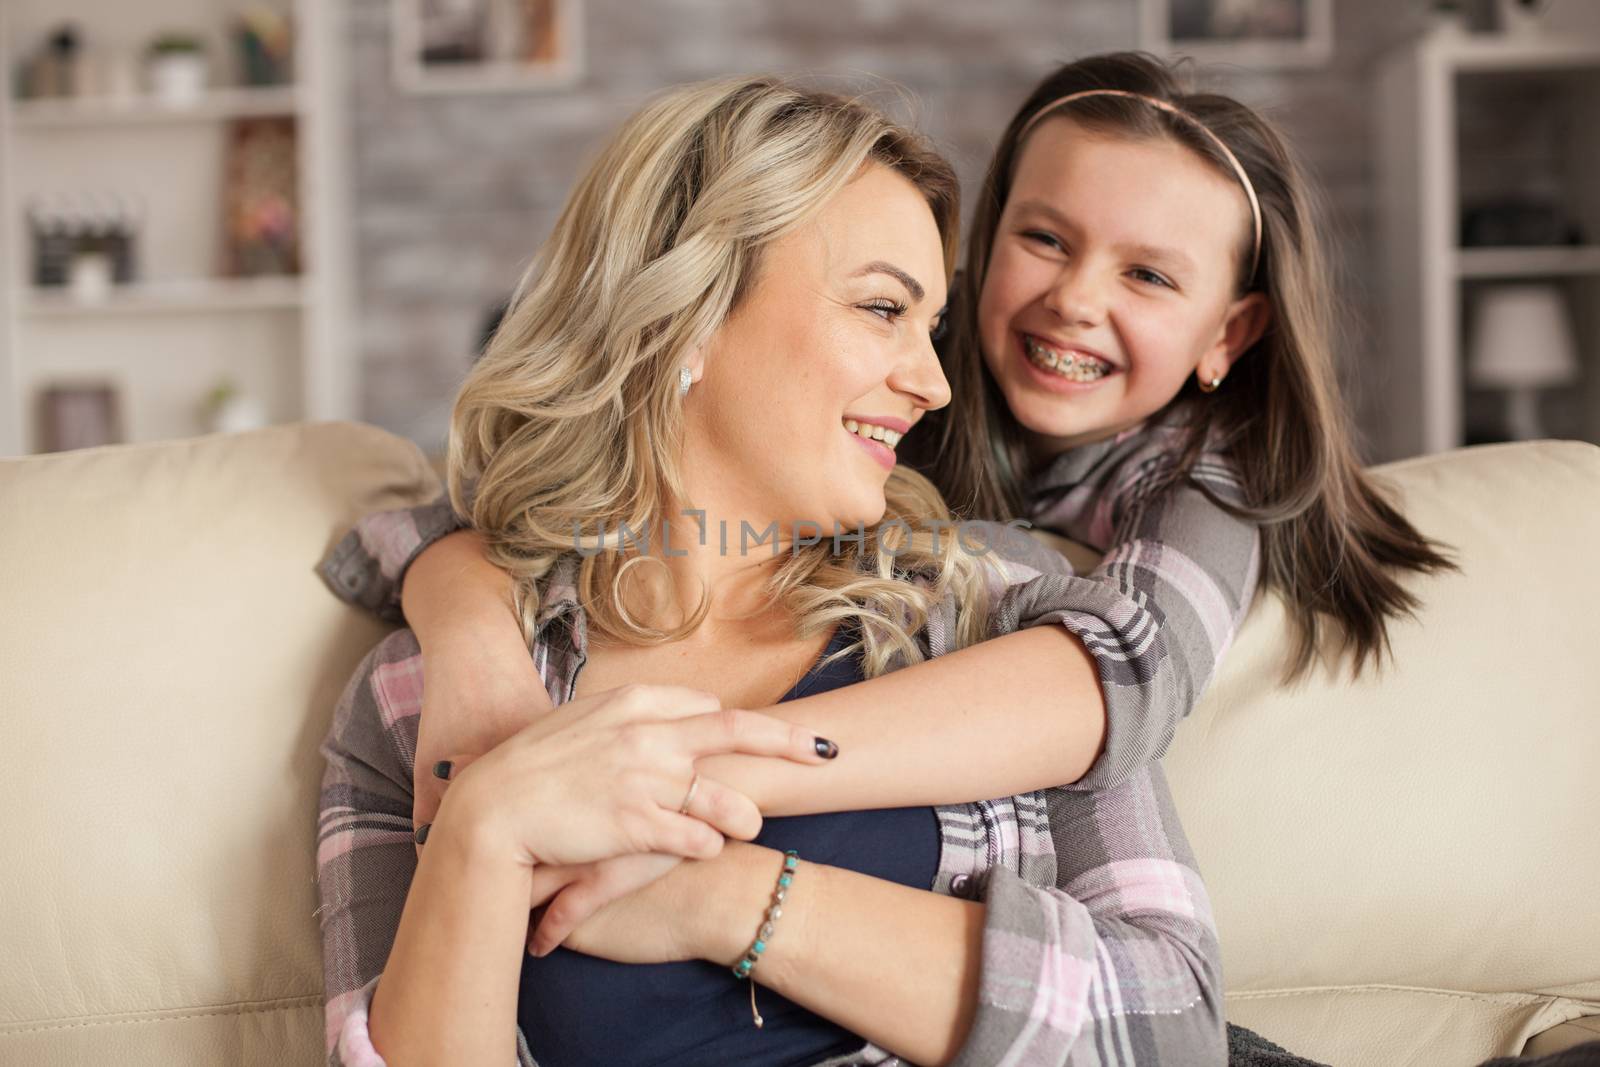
[{"x": 1129, "y": 237}]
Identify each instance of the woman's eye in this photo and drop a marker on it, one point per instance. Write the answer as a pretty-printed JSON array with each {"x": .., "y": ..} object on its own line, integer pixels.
[
  {"x": 887, "y": 310},
  {"x": 1151, "y": 276},
  {"x": 940, "y": 328},
  {"x": 1040, "y": 237}
]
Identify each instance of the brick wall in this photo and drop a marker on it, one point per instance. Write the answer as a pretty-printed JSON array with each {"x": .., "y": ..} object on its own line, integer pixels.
[{"x": 453, "y": 194}]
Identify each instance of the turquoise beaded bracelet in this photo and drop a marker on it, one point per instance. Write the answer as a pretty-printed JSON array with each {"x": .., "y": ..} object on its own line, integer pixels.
[{"x": 752, "y": 955}]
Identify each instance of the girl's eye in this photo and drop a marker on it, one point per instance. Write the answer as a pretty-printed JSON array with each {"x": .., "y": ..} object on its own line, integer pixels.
[
  {"x": 1151, "y": 276},
  {"x": 940, "y": 328},
  {"x": 888, "y": 310}
]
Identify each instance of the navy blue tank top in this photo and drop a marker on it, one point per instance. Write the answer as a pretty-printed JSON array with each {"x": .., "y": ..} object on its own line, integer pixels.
[{"x": 577, "y": 1010}]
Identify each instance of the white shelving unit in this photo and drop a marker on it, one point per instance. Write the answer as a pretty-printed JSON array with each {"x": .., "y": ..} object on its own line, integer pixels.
[
  {"x": 1421, "y": 173},
  {"x": 216, "y": 104},
  {"x": 168, "y": 338}
]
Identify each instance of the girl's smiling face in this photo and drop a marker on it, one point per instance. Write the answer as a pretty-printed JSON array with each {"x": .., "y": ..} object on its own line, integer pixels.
[{"x": 1110, "y": 280}]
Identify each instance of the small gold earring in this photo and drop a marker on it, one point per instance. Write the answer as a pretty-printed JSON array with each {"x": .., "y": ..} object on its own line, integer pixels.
[{"x": 1211, "y": 386}]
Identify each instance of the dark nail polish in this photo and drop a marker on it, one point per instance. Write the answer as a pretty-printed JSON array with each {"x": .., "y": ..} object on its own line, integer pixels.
[
  {"x": 442, "y": 769},
  {"x": 826, "y": 749},
  {"x": 422, "y": 833}
]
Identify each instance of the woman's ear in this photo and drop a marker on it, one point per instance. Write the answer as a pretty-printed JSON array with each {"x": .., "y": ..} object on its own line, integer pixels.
[
  {"x": 696, "y": 362},
  {"x": 1248, "y": 319}
]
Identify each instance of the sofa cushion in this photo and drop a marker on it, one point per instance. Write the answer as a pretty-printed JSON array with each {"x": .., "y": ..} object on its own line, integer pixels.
[
  {"x": 170, "y": 662},
  {"x": 1404, "y": 868}
]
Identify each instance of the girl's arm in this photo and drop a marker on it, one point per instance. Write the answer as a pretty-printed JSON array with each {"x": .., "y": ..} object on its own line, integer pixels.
[
  {"x": 1179, "y": 574},
  {"x": 1042, "y": 685},
  {"x": 945, "y": 731}
]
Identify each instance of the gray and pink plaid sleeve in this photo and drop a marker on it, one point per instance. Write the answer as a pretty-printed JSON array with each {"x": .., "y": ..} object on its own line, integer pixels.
[
  {"x": 1161, "y": 608},
  {"x": 365, "y": 851},
  {"x": 366, "y": 566},
  {"x": 1116, "y": 963}
]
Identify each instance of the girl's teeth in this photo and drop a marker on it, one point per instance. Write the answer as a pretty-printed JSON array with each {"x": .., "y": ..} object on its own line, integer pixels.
[
  {"x": 873, "y": 433},
  {"x": 1069, "y": 365}
]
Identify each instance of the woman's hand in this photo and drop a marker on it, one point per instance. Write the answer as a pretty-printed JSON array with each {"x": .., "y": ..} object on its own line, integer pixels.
[{"x": 605, "y": 776}]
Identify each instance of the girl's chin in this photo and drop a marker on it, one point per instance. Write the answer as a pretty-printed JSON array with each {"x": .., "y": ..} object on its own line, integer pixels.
[{"x": 1048, "y": 433}]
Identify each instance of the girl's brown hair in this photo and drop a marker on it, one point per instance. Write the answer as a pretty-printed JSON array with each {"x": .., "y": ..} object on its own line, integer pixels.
[{"x": 1331, "y": 543}]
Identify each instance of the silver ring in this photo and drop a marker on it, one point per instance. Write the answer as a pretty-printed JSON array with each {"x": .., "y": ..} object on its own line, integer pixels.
[{"x": 694, "y": 783}]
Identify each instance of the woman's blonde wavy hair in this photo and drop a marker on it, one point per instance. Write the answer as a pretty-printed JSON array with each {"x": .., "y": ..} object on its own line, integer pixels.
[{"x": 570, "y": 425}]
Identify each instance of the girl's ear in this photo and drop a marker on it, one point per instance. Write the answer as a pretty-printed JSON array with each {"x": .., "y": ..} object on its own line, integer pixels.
[{"x": 1248, "y": 318}]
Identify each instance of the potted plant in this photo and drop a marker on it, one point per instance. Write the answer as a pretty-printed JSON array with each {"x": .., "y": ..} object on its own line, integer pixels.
[
  {"x": 1447, "y": 17},
  {"x": 177, "y": 67},
  {"x": 1521, "y": 18}
]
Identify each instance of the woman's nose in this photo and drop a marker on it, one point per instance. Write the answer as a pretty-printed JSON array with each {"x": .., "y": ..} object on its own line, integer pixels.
[
  {"x": 1077, "y": 297},
  {"x": 921, "y": 377}
]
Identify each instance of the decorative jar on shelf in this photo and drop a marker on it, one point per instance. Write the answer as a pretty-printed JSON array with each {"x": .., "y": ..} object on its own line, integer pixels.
[
  {"x": 176, "y": 64},
  {"x": 1520, "y": 18},
  {"x": 226, "y": 409}
]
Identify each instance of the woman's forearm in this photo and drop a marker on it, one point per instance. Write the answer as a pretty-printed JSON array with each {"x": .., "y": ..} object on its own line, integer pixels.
[
  {"x": 1018, "y": 713},
  {"x": 896, "y": 965},
  {"x": 448, "y": 993}
]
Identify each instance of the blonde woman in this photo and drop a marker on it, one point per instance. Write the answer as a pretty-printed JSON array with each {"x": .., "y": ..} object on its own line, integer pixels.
[{"x": 741, "y": 288}]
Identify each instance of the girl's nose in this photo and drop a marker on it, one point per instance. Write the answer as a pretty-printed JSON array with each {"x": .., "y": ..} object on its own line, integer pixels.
[{"x": 1077, "y": 298}]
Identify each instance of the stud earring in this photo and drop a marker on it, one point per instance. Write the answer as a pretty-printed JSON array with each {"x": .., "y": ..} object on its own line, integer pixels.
[
  {"x": 685, "y": 379},
  {"x": 1211, "y": 386}
]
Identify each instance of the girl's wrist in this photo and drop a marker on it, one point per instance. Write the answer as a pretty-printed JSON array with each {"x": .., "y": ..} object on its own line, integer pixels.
[{"x": 761, "y": 778}]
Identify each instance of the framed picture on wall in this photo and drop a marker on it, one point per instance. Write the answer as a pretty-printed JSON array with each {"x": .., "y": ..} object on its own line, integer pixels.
[
  {"x": 1253, "y": 33},
  {"x": 83, "y": 414},
  {"x": 475, "y": 46}
]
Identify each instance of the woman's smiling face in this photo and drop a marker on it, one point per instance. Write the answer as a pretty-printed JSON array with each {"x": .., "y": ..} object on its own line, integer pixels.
[
  {"x": 832, "y": 333},
  {"x": 1109, "y": 281}
]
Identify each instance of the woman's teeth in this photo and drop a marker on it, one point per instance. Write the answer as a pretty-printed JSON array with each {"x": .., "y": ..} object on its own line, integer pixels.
[
  {"x": 873, "y": 433},
  {"x": 1073, "y": 366}
]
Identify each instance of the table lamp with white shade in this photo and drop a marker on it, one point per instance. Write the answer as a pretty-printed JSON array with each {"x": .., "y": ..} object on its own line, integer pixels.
[{"x": 1521, "y": 342}]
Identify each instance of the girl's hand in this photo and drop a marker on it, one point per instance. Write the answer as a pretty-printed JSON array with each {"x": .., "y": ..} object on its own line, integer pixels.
[
  {"x": 481, "y": 685},
  {"x": 652, "y": 924},
  {"x": 604, "y": 776},
  {"x": 570, "y": 895},
  {"x": 471, "y": 702}
]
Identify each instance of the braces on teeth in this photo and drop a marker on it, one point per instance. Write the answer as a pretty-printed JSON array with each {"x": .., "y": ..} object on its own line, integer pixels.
[{"x": 1069, "y": 365}]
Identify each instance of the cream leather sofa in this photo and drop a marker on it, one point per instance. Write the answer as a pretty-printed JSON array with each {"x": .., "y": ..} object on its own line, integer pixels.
[{"x": 1405, "y": 870}]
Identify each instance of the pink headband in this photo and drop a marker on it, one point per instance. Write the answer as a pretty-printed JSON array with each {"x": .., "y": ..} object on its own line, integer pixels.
[{"x": 1244, "y": 179}]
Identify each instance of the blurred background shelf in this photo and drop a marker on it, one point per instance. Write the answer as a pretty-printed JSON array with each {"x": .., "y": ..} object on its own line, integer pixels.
[
  {"x": 1527, "y": 262},
  {"x": 1481, "y": 139},
  {"x": 245, "y": 172},
  {"x": 198, "y": 295},
  {"x": 214, "y": 105}
]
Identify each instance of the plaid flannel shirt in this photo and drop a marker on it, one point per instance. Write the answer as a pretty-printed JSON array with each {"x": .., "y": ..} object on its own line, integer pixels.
[{"x": 1098, "y": 946}]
